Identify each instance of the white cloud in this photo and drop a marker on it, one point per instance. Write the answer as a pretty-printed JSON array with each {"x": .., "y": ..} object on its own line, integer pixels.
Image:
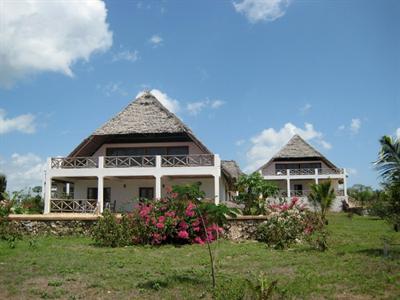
[
  {"x": 355, "y": 126},
  {"x": 38, "y": 36},
  {"x": 398, "y": 133},
  {"x": 269, "y": 142},
  {"x": 262, "y": 10},
  {"x": 126, "y": 55},
  {"x": 156, "y": 40},
  {"x": 194, "y": 108},
  {"x": 113, "y": 88},
  {"x": 352, "y": 171},
  {"x": 170, "y": 103},
  {"x": 240, "y": 142},
  {"x": 22, "y": 171},
  {"x": 23, "y": 123},
  {"x": 305, "y": 109}
]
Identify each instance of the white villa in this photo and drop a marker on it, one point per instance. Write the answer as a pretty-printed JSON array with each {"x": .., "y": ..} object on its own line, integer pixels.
[
  {"x": 139, "y": 153},
  {"x": 298, "y": 165}
]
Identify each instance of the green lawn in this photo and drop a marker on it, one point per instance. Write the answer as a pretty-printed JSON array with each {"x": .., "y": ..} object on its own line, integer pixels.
[{"x": 72, "y": 268}]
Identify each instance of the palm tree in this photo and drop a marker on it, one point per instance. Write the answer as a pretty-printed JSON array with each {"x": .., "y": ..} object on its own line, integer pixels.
[
  {"x": 388, "y": 163},
  {"x": 322, "y": 196}
]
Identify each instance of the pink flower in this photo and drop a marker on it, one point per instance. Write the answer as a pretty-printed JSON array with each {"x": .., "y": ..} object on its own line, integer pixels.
[
  {"x": 196, "y": 229},
  {"x": 183, "y": 234},
  {"x": 160, "y": 225},
  {"x": 196, "y": 223},
  {"x": 161, "y": 219},
  {"x": 170, "y": 214},
  {"x": 189, "y": 210},
  {"x": 183, "y": 225},
  {"x": 198, "y": 240}
]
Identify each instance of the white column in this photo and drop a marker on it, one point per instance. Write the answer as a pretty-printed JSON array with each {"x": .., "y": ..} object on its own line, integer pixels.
[
  {"x": 216, "y": 189},
  {"x": 345, "y": 182},
  {"x": 67, "y": 188},
  {"x": 47, "y": 193},
  {"x": 288, "y": 186},
  {"x": 316, "y": 176},
  {"x": 158, "y": 161},
  {"x": 100, "y": 193},
  {"x": 158, "y": 187}
]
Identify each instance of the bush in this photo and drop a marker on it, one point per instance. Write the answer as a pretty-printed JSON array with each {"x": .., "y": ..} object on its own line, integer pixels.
[
  {"x": 285, "y": 225},
  {"x": 289, "y": 223},
  {"x": 8, "y": 230},
  {"x": 169, "y": 220},
  {"x": 109, "y": 232}
]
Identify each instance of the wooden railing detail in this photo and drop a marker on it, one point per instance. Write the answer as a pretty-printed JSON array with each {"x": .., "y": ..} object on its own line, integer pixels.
[
  {"x": 73, "y": 205},
  {"x": 129, "y": 161},
  {"x": 300, "y": 172},
  {"x": 196, "y": 160},
  {"x": 74, "y": 162}
]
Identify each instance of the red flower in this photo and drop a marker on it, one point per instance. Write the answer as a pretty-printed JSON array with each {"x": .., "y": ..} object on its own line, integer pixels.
[
  {"x": 183, "y": 225},
  {"x": 198, "y": 240},
  {"x": 183, "y": 234}
]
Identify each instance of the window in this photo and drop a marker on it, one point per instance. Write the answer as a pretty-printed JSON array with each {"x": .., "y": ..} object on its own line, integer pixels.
[
  {"x": 146, "y": 193},
  {"x": 138, "y": 151},
  {"x": 92, "y": 193},
  {"x": 295, "y": 166}
]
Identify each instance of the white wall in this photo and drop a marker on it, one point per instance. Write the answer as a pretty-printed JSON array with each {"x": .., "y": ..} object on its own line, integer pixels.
[{"x": 125, "y": 191}]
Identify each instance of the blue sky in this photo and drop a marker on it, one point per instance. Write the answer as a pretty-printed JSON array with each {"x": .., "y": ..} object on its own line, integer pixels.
[{"x": 243, "y": 75}]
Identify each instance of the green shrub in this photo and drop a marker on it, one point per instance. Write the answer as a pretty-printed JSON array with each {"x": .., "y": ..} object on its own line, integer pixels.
[
  {"x": 285, "y": 225},
  {"x": 109, "y": 232}
]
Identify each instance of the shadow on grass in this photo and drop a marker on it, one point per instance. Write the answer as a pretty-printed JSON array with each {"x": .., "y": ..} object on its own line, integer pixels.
[
  {"x": 168, "y": 281},
  {"x": 377, "y": 252}
]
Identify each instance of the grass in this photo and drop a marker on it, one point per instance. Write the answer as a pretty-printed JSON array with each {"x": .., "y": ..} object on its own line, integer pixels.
[{"x": 72, "y": 268}]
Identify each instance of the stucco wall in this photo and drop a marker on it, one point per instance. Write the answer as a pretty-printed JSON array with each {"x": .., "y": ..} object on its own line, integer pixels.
[{"x": 125, "y": 191}]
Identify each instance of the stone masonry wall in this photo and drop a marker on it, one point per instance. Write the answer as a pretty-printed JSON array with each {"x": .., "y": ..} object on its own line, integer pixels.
[{"x": 241, "y": 228}]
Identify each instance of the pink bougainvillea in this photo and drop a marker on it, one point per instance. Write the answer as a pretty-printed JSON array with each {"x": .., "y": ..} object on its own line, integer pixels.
[{"x": 170, "y": 221}]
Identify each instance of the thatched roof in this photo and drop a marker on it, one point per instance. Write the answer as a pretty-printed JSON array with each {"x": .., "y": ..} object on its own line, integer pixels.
[
  {"x": 297, "y": 149},
  {"x": 145, "y": 116},
  {"x": 231, "y": 168}
]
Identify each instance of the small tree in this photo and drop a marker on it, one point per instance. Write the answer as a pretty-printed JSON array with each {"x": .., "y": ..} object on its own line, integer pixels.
[
  {"x": 388, "y": 166},
  {"x": 3, "y": 185},
  {"x": 253, "y": 192},
  {"x": 322, "y": 196},
  {"x": 364, "y": 195}
]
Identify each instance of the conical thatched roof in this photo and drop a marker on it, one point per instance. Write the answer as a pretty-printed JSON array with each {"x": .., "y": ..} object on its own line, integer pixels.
[
  {"x": 145, "y": 116},
  {"x": 298, "y": 148}
]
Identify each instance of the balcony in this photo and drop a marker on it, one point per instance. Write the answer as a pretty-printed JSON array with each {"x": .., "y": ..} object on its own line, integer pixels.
[
  {"x": 304, "y": 193},
  {"x": 148, "y": 161},
  {"x": 305, "y": 172}
]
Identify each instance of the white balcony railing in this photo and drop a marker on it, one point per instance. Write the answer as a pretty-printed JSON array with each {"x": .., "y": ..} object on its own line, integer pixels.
[
  {"x": 145, "y": 161},
  {"x": 304, "y": 172}
]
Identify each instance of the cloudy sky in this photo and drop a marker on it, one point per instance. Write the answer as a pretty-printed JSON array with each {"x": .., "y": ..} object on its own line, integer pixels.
[{"x": 245, "y": 75}]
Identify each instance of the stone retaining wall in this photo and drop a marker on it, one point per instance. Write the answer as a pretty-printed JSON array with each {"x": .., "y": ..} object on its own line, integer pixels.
[{"x": 241, "y": 228}]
